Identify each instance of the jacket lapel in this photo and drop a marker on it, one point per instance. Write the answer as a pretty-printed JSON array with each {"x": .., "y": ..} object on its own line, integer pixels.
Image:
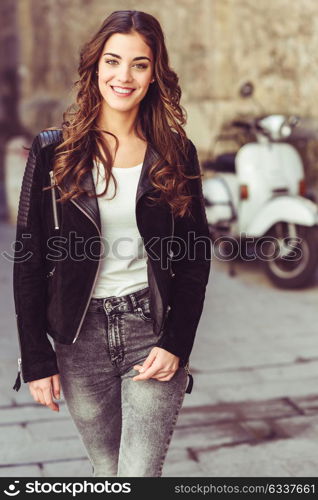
[
  {"x": 89, "y": 205},
  {"x": 144, "y": 183}
]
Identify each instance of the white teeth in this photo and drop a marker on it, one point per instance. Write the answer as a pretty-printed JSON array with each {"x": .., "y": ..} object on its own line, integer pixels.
[{"x": 122, "y": 91}]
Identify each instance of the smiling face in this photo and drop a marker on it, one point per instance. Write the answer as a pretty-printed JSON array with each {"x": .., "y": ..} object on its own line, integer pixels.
[{"x": 124, "y": 71}]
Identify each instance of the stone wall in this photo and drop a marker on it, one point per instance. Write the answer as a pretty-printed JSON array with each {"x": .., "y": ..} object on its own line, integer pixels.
[{"x": 214, "y": 46}]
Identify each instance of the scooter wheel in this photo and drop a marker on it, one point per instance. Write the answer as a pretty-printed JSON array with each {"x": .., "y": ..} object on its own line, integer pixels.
[{"x": 289, "y": 261}]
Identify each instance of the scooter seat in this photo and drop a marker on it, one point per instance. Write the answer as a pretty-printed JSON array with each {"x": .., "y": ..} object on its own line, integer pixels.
[{"x": 223, "y": 163}]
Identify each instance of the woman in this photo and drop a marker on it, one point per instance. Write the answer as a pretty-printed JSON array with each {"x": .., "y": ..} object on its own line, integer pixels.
[{"x": 113, "y": 252}]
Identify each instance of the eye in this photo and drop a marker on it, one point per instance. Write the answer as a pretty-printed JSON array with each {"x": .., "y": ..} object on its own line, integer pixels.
[
  {"x": 142, "y": 66},
  {"x": 111, "y": 61}
]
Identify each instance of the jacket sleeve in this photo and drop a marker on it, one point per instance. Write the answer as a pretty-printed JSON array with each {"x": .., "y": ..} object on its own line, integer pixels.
[
  {"x": 191, "y": 268},
  {"x": 38, "y": 358}
]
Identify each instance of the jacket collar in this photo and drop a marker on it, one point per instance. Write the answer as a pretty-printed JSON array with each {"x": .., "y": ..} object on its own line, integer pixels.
[{"x": 89, "y": 205}]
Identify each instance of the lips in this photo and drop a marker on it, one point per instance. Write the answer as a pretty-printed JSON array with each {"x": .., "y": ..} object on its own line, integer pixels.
[
  {"x": 124, "y": 88},
  {"x": 122, "y": 94}
]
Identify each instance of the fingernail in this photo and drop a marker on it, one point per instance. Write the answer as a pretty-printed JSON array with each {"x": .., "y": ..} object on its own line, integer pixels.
[{"x": 142, "y": 370}]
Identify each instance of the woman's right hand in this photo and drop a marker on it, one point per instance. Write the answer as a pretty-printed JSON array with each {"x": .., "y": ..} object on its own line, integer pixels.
[{"x": 44, "y": 389}]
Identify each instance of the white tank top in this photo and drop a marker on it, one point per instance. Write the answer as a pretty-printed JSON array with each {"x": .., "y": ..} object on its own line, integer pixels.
[{"x": 123, "y": 266}]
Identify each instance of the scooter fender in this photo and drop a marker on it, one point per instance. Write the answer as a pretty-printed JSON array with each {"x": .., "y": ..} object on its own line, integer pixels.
[{"x": 293, "y": 209}]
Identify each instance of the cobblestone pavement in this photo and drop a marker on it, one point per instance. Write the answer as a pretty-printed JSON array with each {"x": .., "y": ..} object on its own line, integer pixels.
[{"x": 254, "y": 406}]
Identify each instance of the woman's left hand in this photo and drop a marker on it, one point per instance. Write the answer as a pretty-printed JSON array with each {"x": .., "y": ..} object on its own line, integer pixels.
[{"x": 160, "y": 364}]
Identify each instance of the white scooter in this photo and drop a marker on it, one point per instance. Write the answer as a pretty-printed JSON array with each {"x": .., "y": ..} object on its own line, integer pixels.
[{"x": 256, "y": 205}]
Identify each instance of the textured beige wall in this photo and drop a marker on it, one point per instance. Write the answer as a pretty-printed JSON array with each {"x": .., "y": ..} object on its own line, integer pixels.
[{"x": 214, "y": 46}]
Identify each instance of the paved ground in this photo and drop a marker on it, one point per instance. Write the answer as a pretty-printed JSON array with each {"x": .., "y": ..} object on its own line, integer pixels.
[{"x": 254, "y": 407}]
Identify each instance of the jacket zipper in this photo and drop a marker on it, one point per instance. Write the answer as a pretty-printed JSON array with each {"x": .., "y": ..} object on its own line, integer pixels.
[
  {"x": 17, "y": 383},
  {"x": 172, "y": 274},
  {"x": 96, "y": 274},
  {"x": 56, "y": 222}
]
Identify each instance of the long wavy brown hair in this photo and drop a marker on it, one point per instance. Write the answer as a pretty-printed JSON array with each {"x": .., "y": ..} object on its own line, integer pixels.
[{"x": 160, "y": 117}]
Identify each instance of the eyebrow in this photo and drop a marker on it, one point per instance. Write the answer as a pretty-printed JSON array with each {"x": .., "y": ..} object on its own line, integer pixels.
[{"x": 119, "y": 57}]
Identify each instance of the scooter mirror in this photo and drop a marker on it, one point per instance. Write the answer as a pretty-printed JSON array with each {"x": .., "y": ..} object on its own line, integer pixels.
[
  {"x": 293, "y": 120},
  {"x": 287, "y": 126},
  {"x": 247, "y": 89}
]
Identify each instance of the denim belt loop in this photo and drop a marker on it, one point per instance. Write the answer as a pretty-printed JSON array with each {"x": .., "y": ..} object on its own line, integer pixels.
[{"x": 133, "y": 300}]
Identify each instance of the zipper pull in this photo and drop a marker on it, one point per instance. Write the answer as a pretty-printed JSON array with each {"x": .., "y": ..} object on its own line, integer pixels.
[
  {"x": 50, "y": 274},
  {"x": 167, "y": 312},
  {"x": 17, "y": 383},
  {"x": 190, "y": 383}
]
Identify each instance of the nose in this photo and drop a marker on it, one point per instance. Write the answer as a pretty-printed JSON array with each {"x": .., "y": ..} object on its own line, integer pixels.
[{"x": 124, "y": 74}]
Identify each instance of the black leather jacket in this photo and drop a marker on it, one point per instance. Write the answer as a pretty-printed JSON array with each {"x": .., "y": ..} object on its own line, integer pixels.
[{"x": 52, "y": 289}]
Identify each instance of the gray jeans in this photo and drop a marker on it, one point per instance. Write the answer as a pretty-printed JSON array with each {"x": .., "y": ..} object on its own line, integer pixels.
[{"x": 125, "y": 425}]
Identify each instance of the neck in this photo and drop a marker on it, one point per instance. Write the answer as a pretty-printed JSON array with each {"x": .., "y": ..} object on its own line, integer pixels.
[{"x": 119, "y": 123}]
